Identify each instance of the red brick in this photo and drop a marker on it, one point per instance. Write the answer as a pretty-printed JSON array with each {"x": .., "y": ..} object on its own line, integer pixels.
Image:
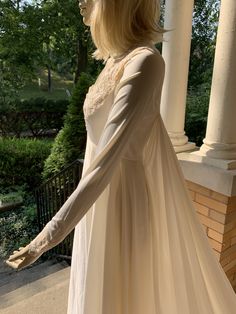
[
  {"x": 215, "y": 245},
  {"x": 230, "y": 265},
  {"x": 231, "y": 271},
  {"x": 233, "y": 241},
  {"x": 231, "y": 216},
  {"x": 198, "y": 188},
  {"x": 219, "y": 197},
  {"x": 228, "y": 259},
  {"x": 215, "y": 235},
  {"x": 230, "y": 226},
  {"x": 192, "y": 195},
  {"x": 211, "y": 223},
  {"x": 231, "y": 250},
  {"x": 201, "y": 209},
  {"x": 217, "y": 216},
  {"x": 230, "y": 234},
  {"x": 211, "y": 203}
]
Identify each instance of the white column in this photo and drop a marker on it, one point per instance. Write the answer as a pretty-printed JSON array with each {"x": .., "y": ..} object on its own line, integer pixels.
[
  {"x": 176, "y": 53},
  {"x": 220, "y": 140}
]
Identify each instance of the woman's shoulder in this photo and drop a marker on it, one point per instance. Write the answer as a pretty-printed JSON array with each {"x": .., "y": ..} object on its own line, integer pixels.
[
  {"x": 145, "y": 54},
  {"x": 137, "y": 59},
  {"x": 141, "y": 51}
]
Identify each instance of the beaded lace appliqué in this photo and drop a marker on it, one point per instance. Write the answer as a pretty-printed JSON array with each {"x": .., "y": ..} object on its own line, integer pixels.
[
  {"x": 103, "y": 86},
  {"x": 106, "y": 82}
]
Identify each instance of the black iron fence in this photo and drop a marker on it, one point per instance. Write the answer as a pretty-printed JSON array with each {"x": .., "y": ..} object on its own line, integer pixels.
[
  {"x": 52, "y": 194},
  {"x": 30, "y": 124}
]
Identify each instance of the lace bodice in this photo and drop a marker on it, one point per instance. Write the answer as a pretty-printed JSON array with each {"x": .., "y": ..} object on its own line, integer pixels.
[{"x": 107, "y": 80}]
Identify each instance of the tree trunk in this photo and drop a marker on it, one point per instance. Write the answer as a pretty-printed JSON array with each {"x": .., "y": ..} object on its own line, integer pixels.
[
  {"x": 82, "y": 59},
  {"x": 49, "y": 78}
]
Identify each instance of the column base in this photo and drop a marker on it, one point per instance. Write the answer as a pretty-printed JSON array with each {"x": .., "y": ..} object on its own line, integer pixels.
[
  {"x": 225, "y": 164},
  {"x": 218, "y": 150},
  {"x": 189, "y": 146},
  {"x": 180, "y": 142}
]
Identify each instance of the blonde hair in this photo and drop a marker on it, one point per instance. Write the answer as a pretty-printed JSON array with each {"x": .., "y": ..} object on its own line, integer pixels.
[{"x": 118, "y": 25}]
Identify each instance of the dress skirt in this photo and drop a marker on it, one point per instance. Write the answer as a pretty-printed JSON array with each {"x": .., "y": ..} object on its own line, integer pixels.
[{"x": 141, "y": 248}]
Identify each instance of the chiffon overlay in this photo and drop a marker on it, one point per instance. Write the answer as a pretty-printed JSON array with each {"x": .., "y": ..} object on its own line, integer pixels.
[{"x": 138, "y": 245}]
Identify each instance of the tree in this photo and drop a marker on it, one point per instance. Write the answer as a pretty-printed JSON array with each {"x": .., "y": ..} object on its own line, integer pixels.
[
  {"x": 43, "y": 34},
  {"x": 205, "y": 22},
  {"x": 66, "y": 40},
  {"x": 17, "y": 54},
  {"x": 70, "y": 142}
]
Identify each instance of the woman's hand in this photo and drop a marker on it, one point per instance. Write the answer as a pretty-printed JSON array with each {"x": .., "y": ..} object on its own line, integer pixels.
[{"x": 22, "y": 258}]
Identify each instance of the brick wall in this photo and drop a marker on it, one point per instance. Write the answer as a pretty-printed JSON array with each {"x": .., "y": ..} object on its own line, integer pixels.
[{"x": 217, "y": 213}]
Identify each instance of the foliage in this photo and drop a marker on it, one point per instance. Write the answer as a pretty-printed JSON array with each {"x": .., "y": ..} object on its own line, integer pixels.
[
  {"x": 62, "y": 85},
  {"x": 70, "y": 141},
  {"x": 13, "y": 197},
  {"x": 33, "y": 116},
  {"x": 41, "y": 34},
  {"x": 18, "y": 227},
  {"x": 205, "y": 23},
  {"x": 22, "y": 160},
  {"x": 39, "y": 104},
  {"x": 18, "y": 49},
  {"x": 197, "y": 112}
]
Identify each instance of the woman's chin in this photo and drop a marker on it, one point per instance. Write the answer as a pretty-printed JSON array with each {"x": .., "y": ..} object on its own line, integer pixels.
[{"x": 86, "y": 21}]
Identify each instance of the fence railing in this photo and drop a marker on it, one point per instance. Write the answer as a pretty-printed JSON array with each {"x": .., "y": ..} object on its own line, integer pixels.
[
  {"x": 30, "y": 124},
  {"x": 52, "y": 194}
]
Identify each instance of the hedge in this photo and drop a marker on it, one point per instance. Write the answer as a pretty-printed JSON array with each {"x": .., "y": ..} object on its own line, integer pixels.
[
  {"x": 70, "y": 142},
  {"x": 22, "y": 161},
  {"x": 35, "y": 116}
]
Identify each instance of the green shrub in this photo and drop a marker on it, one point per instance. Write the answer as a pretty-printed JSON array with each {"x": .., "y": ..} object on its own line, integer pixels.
[
  {"x": 71, "y": 140},
  {"x": 18, "y": 227},
  {"x": 35, "y": 115},
  {"x": 38, "y": 104},
  {"x": 9, "y": 198},
  {"x": 22, "y": 160},
  {"x": 196, "y": 113}
]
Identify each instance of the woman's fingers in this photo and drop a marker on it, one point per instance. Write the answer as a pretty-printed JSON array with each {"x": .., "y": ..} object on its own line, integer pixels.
[
  {"x": 21, "y": 258},
  {"x": 14, "y": 264},
  {"x": 15, "y": 256},
  {"x": 21, "y": 262},
  {"x": 18, "y": 263},
  {"x": 18, "y": 254}
]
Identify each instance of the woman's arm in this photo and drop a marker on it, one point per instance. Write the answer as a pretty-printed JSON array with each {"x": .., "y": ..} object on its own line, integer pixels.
[{"x": 141, "y": 77}]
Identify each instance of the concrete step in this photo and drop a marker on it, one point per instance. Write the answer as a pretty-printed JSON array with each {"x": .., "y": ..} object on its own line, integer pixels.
[
  {"x": 11, "y": 279},
  {"x": 49, "y": 292},
  {"x": 53, "y": 300}
]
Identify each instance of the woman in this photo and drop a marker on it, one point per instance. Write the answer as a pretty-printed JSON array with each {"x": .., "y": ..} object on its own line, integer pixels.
[{"x": 138, "y": 246}]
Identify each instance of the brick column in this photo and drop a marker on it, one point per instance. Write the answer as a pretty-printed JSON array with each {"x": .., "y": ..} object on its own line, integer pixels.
[{"x": 217, "y": 213}]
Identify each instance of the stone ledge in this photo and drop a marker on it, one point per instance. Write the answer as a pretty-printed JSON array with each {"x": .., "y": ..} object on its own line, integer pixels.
[{"x": 217, "y": 179}]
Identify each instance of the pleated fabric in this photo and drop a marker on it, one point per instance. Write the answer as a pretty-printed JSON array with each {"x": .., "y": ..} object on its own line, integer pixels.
[{"x": 146, "y": 251}]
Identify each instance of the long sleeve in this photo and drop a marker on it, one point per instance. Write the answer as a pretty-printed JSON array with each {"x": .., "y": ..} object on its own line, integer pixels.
[{"x": 141, "y": 76}]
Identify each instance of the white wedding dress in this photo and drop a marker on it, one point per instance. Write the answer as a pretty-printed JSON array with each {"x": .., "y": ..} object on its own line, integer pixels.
[{"x": 138, "y": 245}]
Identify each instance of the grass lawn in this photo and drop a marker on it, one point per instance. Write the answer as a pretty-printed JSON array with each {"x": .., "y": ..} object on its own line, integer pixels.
[{"x": 59, "y": 86}]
